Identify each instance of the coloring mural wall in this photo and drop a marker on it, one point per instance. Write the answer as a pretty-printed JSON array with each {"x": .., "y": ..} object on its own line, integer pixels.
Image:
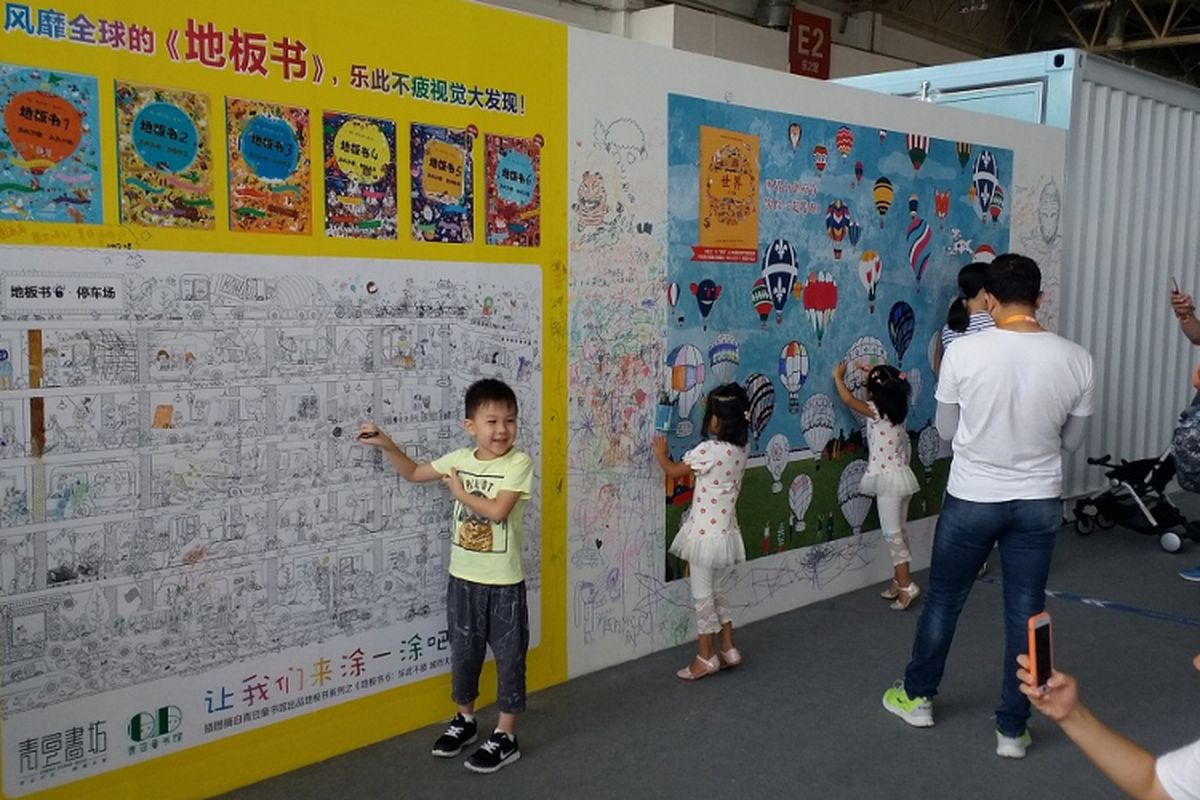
[
  {"x": 681, "y": 190},
  {"x": 227, "y": 237}
]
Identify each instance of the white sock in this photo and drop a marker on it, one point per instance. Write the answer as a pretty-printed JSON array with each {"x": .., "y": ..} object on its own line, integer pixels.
[{"x": 468, "y": 717}]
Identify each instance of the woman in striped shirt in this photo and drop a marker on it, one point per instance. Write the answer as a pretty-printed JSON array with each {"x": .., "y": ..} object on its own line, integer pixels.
[{"x": 968, "y": 313}]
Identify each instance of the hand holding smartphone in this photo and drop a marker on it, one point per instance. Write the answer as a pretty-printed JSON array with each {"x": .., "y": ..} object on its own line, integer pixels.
[{"x": 1041, "y": 650}]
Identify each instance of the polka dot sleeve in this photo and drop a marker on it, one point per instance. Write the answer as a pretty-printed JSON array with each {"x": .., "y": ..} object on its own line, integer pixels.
[{"x": 701, "y": 457}]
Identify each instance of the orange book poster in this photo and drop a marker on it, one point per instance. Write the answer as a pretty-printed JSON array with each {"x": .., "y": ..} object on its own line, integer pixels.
[
  {"x": 270, "y": 172},
  {"x": 164, "y": 158},
  {"x": 728, "y": 196}
]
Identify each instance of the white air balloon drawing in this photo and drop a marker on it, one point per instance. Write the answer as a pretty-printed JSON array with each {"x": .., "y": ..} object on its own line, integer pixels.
[
  {"x": 799, "y": 497},
  {"x": 914, "y": 385},
  {"x": 724, "y": 357},
  {"x": 928, "y": 444},
  {"x": 793, "y": 372},
  {"x": 777, "y": 459},
  {"x": 854, "y": 503},
  {"x": 686, "y": 382},
  {"x": 816, "y": 423},
  {"x": 867, "y": 352}
]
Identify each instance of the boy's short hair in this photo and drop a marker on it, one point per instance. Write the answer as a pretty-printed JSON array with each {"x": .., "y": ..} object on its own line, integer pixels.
[
  {"x": 489, "y": 390},
  {"x": 1013, "y": 278}
]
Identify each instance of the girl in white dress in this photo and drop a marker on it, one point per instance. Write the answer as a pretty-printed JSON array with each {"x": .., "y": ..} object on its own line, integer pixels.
[
  {"x": 888, "y": 476},
  {"x": 709, "y": 538}
]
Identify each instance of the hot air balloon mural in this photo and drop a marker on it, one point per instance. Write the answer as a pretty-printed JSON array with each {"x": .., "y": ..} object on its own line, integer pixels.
[
  {"x": 795, "y": 132},
  {"x": 883, "y": 194},
  {"x": 686, "y": 383},
  {"x": 837, "y": 220},
  {"x": 854, "y": 233},
  {"x": 997, "y": 205},
  {"x": 777, "y": 460},
  {"x": 870, "y": 266},
  {"x": 706, "y": 292},
  {"x": 985, "y": 181},
  {"x": 919, "y": 235},
  {"x": 724, "y": 357},
  {"x": 760, "y": 295},
  {"x": 816, "y": 424},
  {"x": 941, "y": 206},
  {"x": 858, "y": 172},
  {"x": 854, "y": 504},
  {"x": 963, "y": 151},
  {"x": 820, "y": 301},
  {"x": 779, "y": 269},
  {"x": 901, "y": 324},
  {"x": 913, "y": 204},
  {"x": 799, "y": 498},
  {"x": 844, "y": 141},
  {"x": 918, "y": 146},
  {"x": 793, "y": 372},
  {"x": 673, "y": 300},
  {"x": 866, "y": 352},
  {"x": 761, "y": 391},
  {"x": 820, "y": 157},
  {"x": 882, "y": 135}
]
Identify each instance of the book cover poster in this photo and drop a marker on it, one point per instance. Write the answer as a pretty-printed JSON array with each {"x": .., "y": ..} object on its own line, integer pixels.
[
  {"x": 49, "y": 147},
  {"x": 443, "y": 195},
  {"x": 164, "y": 158},
  {"x": 360, "y": 176},
  {"x": 514, "y": 202},
  {"x": 270, "y": 172}
]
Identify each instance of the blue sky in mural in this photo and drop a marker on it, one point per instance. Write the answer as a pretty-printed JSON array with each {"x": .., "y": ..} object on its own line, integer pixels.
[{"x": 818, "y": 188}]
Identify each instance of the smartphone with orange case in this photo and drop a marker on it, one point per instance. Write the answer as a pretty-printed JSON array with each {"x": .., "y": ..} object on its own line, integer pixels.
[{"x": 1041, "y": 649}]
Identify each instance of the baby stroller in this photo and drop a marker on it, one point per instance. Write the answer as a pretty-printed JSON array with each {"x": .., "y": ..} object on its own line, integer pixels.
[{"x": 1136, "y": 499}]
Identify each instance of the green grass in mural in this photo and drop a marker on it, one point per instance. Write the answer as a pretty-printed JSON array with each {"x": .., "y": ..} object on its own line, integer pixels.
[{"x": 765, "y": 516}]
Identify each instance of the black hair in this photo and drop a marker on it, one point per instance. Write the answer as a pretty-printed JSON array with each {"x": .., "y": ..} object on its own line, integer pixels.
[
  {"x": 489, "y": 390},
  {"x": 888, "y": 389},
  {"x": 1013, "y": 278},
  {"x": 729, "y": 405},
  {"x": 970, "y": 283}
]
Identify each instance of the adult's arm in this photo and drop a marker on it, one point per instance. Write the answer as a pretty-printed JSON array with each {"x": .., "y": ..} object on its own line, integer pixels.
[
  {"x": 1126, "y": 763},
  {"x": 947, "y": 420},
  {"x": 1072, "y": 433}
]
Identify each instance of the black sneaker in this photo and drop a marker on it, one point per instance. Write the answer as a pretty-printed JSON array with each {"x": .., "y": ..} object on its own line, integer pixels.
[
  {"x": 459, "y": 733},
  {"x": 498, "y": 751}
]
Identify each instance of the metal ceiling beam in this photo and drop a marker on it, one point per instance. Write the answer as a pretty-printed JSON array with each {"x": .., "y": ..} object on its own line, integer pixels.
[
  {"x": 1149, "y": 44},
  {"x": 1157, "y": 34}
]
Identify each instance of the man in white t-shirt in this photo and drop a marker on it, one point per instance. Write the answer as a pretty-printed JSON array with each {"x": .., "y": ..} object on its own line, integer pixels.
[
  {"x": 1135, "y": 770},
  {"x": 1010, "y": 399}
]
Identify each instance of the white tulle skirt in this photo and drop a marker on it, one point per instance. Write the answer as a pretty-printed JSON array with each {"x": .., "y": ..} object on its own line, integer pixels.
[
  {"x": 712, "y": 549},
  {"x": 890, "y": 483}
]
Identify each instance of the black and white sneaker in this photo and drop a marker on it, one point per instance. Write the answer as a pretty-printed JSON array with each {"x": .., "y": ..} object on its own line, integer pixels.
[
  {"x": 459, "y": 733},
  {"x": 498, "y": 751}
]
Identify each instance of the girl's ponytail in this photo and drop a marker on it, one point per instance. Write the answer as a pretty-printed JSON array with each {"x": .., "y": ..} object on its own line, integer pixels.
[{"x": 970, "y": 283}]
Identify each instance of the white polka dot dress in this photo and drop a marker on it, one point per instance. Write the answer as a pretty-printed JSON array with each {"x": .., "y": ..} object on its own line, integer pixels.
[
  {"x": 709, "y": 535},
  {"x": 888, "y": 473}
]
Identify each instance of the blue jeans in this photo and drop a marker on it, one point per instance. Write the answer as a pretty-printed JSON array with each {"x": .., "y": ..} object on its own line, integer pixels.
[{"x": 966, "y": 532}]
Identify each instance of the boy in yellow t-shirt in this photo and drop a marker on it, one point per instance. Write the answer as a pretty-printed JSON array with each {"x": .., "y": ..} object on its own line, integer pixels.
[{"x": 486, "y": 602}]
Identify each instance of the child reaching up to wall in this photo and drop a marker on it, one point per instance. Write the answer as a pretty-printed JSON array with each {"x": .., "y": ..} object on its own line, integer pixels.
[
  {"x": 888, "y": 476},
  {"x": 709, "y": 538}
]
